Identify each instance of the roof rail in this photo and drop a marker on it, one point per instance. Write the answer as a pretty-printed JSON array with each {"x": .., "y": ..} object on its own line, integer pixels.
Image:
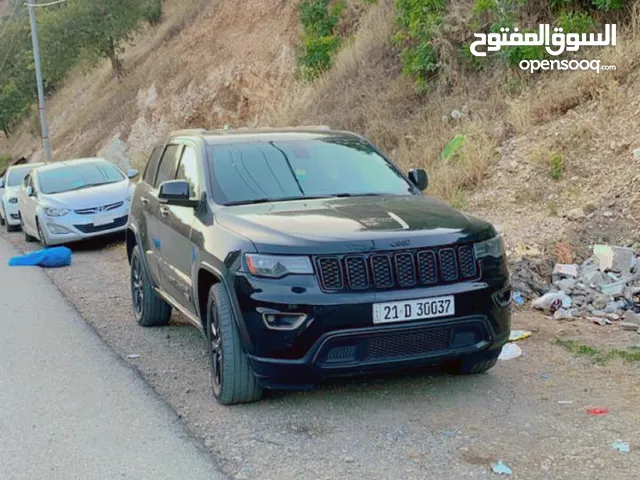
[{"x": 189, "y": 131}]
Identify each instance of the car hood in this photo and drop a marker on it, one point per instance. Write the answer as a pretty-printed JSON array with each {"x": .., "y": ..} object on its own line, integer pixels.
[
  {"x": 356, "y": 224},
  {"x": 10, "y": 192},
  {"x": 89, "y": 197}
]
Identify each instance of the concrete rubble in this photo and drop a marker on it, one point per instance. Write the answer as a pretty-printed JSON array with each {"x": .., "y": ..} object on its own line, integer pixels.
[{"x": 604, "y": 289}]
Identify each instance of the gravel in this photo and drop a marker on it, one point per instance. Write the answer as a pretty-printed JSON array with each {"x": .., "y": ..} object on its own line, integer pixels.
[{"x": 415, "y": 426}]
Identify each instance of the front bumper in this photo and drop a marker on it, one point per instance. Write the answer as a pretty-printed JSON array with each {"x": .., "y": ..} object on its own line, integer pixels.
[
  {"x": 382, "y": 349},
  {"x": 74, "y": 227},
  {"x": 338, "y": 336},
  {"x": 12, "y": 214}
]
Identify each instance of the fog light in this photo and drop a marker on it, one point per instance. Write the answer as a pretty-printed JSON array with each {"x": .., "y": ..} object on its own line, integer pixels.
[
  {"x": 503, "y": 297},
  {"x": 283, "y": 321},
  {"x": 58, "y": 229}
]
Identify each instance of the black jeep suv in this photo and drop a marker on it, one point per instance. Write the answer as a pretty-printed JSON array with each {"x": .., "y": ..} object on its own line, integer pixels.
[{"x": 305, "y": 253}]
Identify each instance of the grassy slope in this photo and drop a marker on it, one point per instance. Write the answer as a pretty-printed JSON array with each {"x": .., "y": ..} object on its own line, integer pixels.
[{"x": 211, "y": 63}]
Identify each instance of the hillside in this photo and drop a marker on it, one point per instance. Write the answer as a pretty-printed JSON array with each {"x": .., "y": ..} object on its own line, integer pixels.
[{"x": 537, "y": 146}]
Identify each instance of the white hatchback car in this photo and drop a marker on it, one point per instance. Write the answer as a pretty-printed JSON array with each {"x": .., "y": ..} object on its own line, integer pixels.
[
  {"x": 13, "y": 180},
  {"x": 74, "y": 200}
]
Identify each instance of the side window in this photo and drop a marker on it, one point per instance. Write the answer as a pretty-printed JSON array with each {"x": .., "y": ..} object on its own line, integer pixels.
[
  {"x": 188, "y": 170},
  {"x": 152, "y": 166},
  {"x": 167, "y": 165}
]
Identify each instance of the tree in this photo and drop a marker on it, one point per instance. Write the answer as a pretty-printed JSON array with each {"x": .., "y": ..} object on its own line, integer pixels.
[{"x": 104, "y": 27}]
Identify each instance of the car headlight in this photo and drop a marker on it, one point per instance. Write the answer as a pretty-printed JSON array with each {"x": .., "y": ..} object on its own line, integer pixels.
[
  {"x": 13, "y": 200},
  {"x": 494, "y": 247},
  {"x": 277, "y": 266},
  {"x": 56, "y": 212}
]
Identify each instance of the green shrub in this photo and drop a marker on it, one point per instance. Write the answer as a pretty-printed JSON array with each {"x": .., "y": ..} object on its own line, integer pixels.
[
  {"x": 608, "y": 5},
  {"x": 576, "y": 22},
  {"x": 318, "y": 55},
  {"x": 556, "y": 166},
  {"x": 319, "y": 19},
  {"x": 418, "y": 21}
]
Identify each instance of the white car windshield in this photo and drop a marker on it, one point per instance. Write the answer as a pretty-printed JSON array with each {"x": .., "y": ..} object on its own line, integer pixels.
[
  {"x": 16, "y": 176},
  {"x": 78, "y": 177}
]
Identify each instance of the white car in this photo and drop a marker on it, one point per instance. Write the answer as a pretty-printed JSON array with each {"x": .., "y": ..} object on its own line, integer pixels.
[
  {"x": 14, "y": 177},
  {"x": 75, "y": 200}
]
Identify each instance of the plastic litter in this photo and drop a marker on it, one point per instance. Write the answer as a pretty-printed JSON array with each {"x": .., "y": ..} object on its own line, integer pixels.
[
  {"x": 601, "y": 321},
  {"x": 510, "y": 351},
  {"x": 621, "y": 446},
  {"x": 516, "y": 335},
  {"x": 517, "y": 298},
  {"x": 133, "y": 356},
  {"x": 501, "y": 469},
  {"x": 597, "y": 411},
  {"x": 54, "y": 257},
  {"x": 552, "y": 301},
  {"x": 565, "y": 402}
]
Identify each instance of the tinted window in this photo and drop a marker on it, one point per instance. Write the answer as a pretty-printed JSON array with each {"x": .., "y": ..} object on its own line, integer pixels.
[
  {"x": 78, "y": 177},
  {"x": 152, "y": 166},
  {"x": 188, "y": 170},
  {"x": 301, "y": 168},
  {"x": 167, "y": 164},
  {"x": 16, "y": 176}
]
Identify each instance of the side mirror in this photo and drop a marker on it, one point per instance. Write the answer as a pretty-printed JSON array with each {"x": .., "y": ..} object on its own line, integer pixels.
[
  {"x": 178, "y": 193},
  {"x": 29, "y": 191},
  {"x": 133, "y": 173},
  {"x": 419, "y": 178}
]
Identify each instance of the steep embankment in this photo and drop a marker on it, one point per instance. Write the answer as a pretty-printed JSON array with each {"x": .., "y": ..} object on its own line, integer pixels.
[{"x": 537, "y": 146}]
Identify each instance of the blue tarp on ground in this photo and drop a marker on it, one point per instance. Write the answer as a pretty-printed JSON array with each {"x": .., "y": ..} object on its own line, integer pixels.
[{"x": 49, "y": 258}]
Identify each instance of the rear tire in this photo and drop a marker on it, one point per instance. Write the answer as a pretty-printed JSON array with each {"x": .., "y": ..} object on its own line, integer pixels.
[
  {"x": 474, "y": 365},
  {"x": 232, "y": 378},
  {"x": 149, "y": 309}
]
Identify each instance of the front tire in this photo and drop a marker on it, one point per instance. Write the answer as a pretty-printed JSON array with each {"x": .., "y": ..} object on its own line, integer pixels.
[
  {"x": 149, "y": 309},
  {"x": 232, "y": 378},
  {"x": 27, "y": 238},
  {"x": 41, "y": 235}
]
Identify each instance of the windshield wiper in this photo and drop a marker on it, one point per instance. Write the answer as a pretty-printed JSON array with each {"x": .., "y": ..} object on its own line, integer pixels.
[
  {"x": 267, "y": 200},
  {"x": 342, "y": 195}
]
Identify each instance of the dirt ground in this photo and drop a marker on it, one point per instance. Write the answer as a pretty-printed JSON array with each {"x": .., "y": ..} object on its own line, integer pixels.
[{"x": 530, "y": 412}]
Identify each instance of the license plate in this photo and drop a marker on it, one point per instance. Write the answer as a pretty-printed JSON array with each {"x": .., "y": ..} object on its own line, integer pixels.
[
  {"x": 421, "y": 308},
  {"x": 103, "y": 220}
]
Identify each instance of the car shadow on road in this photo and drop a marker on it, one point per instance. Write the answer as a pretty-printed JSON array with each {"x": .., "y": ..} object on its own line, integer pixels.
[{"x": 97, "y": 243}]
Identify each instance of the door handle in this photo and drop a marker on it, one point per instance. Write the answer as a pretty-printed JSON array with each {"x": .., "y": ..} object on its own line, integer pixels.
[
  {"x": 164, "y": 211},
  {"x": 144, "y": 200}
]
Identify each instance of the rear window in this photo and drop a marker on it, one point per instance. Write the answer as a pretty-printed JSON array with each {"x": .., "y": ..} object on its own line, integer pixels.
[
  {"x": 152, "y": 166},
  {"x": 78, "y": 177}
]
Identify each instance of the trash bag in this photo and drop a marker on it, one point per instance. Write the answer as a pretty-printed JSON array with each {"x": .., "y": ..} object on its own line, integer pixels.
[{"x": 49, "y": 258}]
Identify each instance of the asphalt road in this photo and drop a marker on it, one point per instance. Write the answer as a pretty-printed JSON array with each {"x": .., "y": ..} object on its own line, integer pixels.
[{"x": 69, "y": 407}]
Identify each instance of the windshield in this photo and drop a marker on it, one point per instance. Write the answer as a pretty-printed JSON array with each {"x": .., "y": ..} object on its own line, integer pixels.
[
  {"x": 16, "y": 176},
  {"x": 77, "y": 177},
  {"x": 291, "y": 169}
]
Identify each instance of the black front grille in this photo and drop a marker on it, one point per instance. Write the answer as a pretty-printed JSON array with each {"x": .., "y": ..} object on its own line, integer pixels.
[
  {"x": 403, "y": 269},
  {"x": 90, "y": 228},
  {"x": 408, "y": 344}
]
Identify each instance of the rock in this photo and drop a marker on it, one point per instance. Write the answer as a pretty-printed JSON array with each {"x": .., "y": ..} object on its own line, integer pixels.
[
  {"x": 578, "y": 300},
  {"x": 600, "y": 301},
  {"x": 565, "y": 284},
  {"x": 618, "y": 259},
  {"x": 564, "y": 270},
  {"x": 576, "y": 214},
  {"x": 629, "y": 326},
  {"x": 578, "y": 312},
  {"x": 600, "y": 321},
  {"x": 627, "y": 293},
  {"x": 614, "y": 289},
  {"x": 562, "y": 314},
  {"x": 590, "y": 208},
  {"x": 631, "y": 317},
  {"x": 598, "y": 313}
]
